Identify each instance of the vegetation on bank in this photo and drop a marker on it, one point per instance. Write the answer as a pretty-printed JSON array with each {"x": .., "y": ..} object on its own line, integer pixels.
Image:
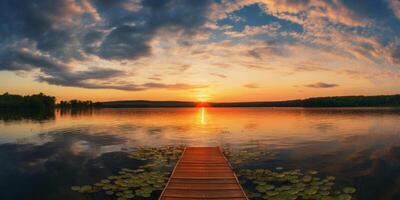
[
  {"x": 339, "y": 101},
  {"x": 41, "y": 101},
  {"x": 147, "y": 104},
  {"x": 77, "y": 104},
  {"x": 353, "y": 101},
  {"x": 36, "y": 101}
]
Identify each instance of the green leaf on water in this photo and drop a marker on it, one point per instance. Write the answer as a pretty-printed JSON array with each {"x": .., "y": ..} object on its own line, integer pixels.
[
  {"x": 75, "y": 188},
  {"x": 349, "y": 190}
]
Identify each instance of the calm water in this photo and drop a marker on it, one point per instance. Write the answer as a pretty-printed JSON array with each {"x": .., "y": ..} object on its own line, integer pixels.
[{"x": 43, "y": 155}]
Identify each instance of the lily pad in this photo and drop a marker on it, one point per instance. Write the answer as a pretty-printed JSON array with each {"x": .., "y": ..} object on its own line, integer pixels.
[
  {"x": 143, "y": 181},
  {"x": 75, "y": 188},
  {"x": 344, "y": 197},
  {"x": 349, "y": 190}
]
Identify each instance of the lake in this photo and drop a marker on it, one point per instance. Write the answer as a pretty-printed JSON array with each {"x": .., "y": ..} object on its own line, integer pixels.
[{"x": 42, "y": 155}]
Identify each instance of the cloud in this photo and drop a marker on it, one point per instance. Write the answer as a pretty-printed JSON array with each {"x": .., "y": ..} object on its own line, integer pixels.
[
  {"x": 395, "y": 6},
  {"x": 176, "y": 86},
  {"x": 126, "y": 42},
  {"x": 254, "y": 30},
  {"x": 61, "y": 28},
  {"x": 303, "y": 10},
  {"x": 395, "y": 55},
  {"x": 83, "y": 83},
  {"x": 321, "y": 85},
  {"x": 268, "y": 49},
  {"x": 156, "y": 77},
  {"x": 392, "y": 51},
  {"x": 132, "y": 31},
  {"x": 53, "y": 71},
  {"x": 51, "y": 36},
  {"x": 218, "y": 75},
  {"x": 309, "y": 66},
  {"x": 184, "y": 67},
  {"x": 57, "y": 73},
  {"x": 82, "y": 43},
  {"x": 49, "y": 24},
  {"x": 251, "y": 85},
  {"x": 257, "y": 66},
  {"x": 322, "y": 22}
]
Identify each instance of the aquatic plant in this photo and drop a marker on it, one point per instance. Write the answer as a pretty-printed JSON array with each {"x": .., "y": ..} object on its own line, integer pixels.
[
  {"x": 237, "y": 157},
  {"x": 141, "y": 182},
  {"x": 158, "y": 157},
  {"x": 292, "y": 184},
  {"x": 279, "y": 184}
]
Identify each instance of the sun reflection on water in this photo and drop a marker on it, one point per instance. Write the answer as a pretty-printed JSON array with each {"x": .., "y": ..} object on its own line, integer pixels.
[{"x": 203, "y": 117}]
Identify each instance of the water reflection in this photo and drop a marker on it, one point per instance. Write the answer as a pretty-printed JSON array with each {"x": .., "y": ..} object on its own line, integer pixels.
[
  {"x": 46, "y": 171},
  {"x": 77, "y": 112},
  {"x": 29, "y": 114},
  {"x": 203, "y": 117},
  {"x": 361, "y": 147},
  {"x": 277, "y": 128}
]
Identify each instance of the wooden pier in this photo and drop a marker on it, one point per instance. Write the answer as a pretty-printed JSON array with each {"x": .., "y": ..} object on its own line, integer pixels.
[{"x": 203, "y": 173}]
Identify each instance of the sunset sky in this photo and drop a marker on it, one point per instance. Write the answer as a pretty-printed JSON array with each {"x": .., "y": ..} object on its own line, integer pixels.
[{"x": 199, "y": 50}]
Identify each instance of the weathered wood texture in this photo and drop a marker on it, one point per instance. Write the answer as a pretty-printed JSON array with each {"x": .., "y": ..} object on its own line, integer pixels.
[{"x": 203, "y": 173}]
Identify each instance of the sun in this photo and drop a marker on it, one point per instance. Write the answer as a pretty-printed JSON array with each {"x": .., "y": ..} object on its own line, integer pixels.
[
  {"x": 203, "y": 101},
  {"x": 203, "y": 98},
  {"x": 202, "y": 104}
]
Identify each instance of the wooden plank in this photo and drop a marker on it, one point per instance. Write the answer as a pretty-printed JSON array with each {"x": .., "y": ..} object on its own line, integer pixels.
[
  {"x": 202, "y": 181},
  {"x": 200, "y": 186},
  {"x": 204, "y": 193},
  {"x": 185, "y": 198},
  {"x": 203, "y": 173}
]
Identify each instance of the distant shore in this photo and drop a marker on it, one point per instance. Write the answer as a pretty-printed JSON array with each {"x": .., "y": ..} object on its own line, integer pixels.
[
  {"x": 42, "y": 101},
  {"x": 337, "y": 101}
]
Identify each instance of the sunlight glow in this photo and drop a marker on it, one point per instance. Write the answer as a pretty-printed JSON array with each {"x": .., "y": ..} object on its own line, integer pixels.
[{"x": 203, "y": 96}]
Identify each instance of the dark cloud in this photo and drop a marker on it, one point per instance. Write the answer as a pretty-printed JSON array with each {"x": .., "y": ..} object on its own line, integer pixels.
[
  {"x": 53, "y": 71},
  {"x": 321, "y": 85},
  {"x": 126, "y": 42},
  {"x": 132, "y": 31},
  {"x": 50, "y": 24},
  {"x": 91, "y": 41},
  {"x": 48, "y": 35},
  {"x": 60, "y": 29},
  {"x": 82, "y": 78},
  {"x": 58, "y": 73}
]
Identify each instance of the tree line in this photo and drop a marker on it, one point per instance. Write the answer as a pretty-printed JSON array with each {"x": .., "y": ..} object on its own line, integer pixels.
[
  {"x": 336, "y": 101},
  {"x": 78, "y": 104},
  {"x": 41, "y": 102},
  {"x": 353, "y": 101},
  {"x": 36, "y": 101}
]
